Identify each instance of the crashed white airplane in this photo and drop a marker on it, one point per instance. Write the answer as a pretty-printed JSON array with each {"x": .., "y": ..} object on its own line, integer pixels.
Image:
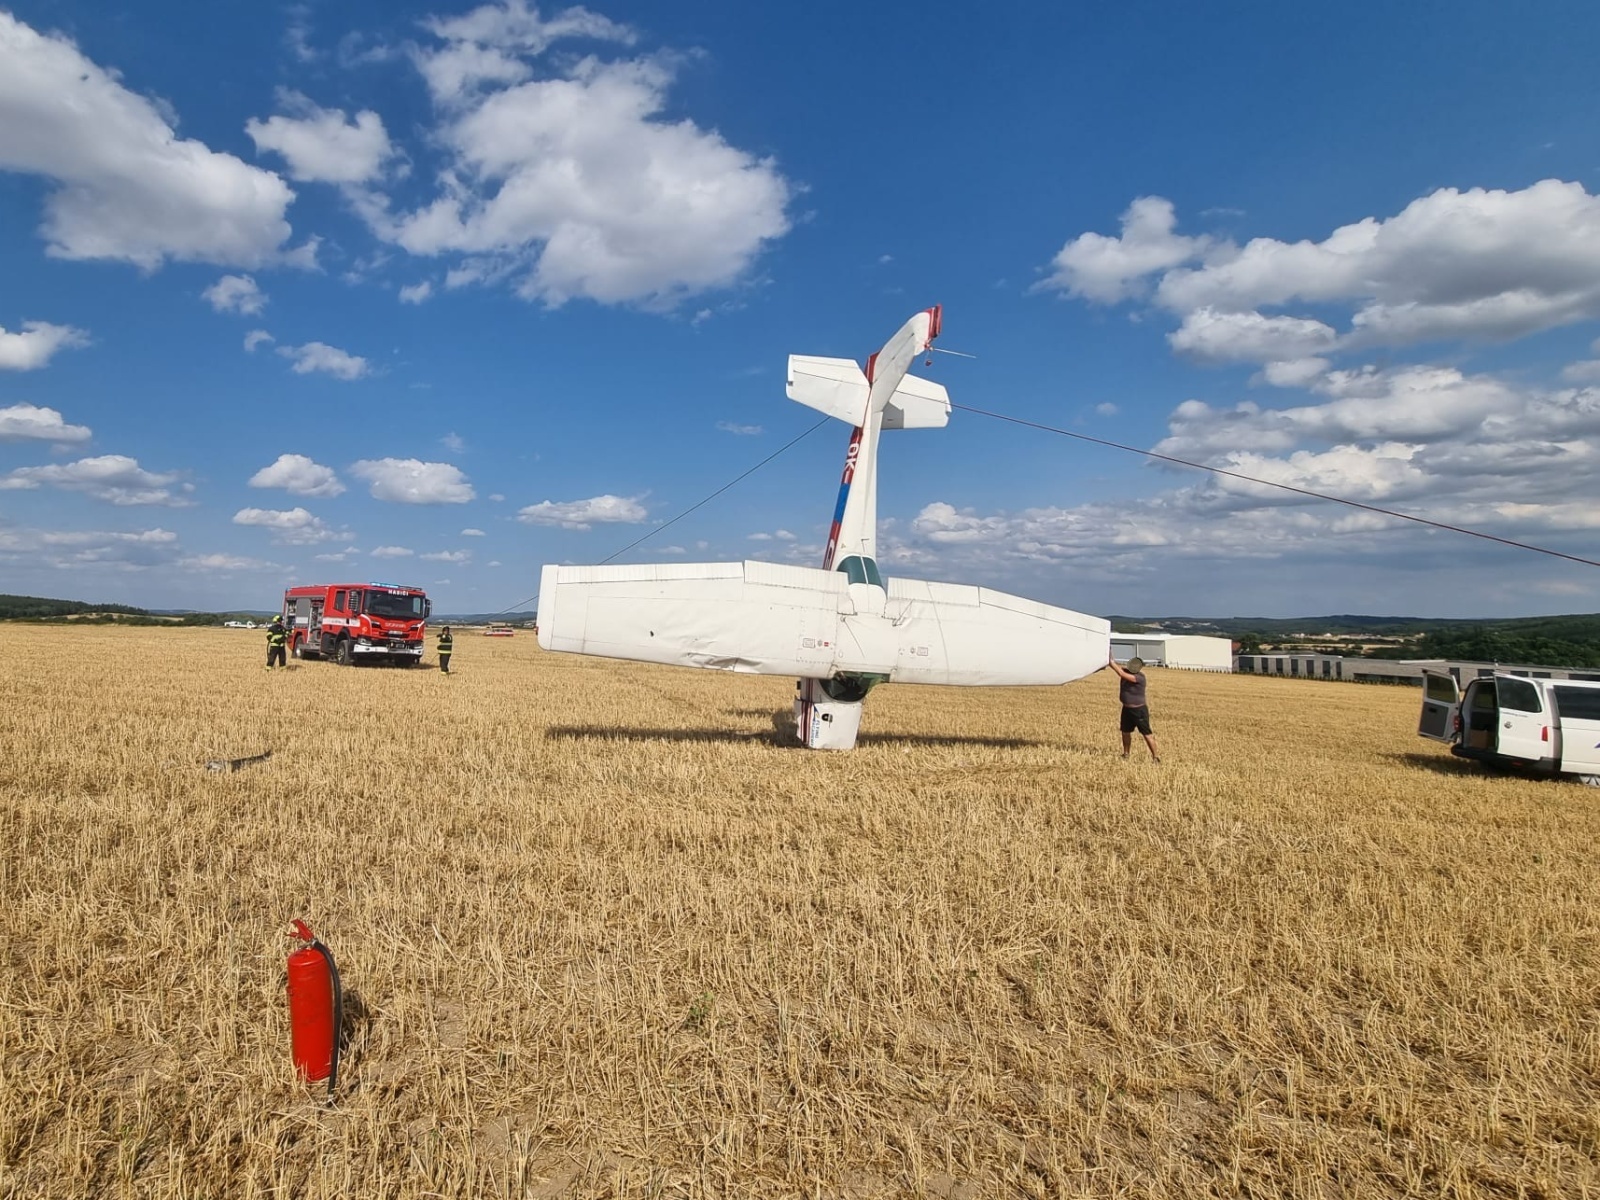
[{"x": 843, "y": 629}]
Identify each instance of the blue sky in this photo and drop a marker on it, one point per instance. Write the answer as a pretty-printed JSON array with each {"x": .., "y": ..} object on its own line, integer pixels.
[{"x": 437, "y": 293}]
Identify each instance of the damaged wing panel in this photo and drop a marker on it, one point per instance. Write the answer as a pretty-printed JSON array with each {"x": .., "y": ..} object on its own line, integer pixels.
[{"x": 753, "y": 618}]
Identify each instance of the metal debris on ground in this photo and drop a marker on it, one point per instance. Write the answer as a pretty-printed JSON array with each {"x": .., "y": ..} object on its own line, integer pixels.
[{"x": 233, "y": 764}]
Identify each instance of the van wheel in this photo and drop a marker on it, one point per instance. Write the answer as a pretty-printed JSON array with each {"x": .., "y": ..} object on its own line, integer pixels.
[{"x": 345, "y": 656}]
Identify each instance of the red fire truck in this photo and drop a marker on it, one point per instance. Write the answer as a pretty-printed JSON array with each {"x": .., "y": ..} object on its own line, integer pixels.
[{"x": 356, "y": 622}]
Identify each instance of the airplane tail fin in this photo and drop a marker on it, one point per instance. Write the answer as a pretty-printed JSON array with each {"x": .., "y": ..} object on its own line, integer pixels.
[{"x": 839, "y": 388}]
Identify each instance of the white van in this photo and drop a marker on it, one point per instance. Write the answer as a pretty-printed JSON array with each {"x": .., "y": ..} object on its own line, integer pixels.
[{"x": 1550, "y": 726}]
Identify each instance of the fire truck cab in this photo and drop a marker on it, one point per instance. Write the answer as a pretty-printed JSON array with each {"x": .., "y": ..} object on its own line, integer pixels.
[{"x": 356, "y": 622}]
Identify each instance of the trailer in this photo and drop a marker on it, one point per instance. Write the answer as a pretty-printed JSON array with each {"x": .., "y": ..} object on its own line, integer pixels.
[
  {"x": 356, "y": 622},
  {"x": 1542, "y": 726}
]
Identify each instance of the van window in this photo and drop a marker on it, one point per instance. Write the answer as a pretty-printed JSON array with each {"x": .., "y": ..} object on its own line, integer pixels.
[
  {"x": 1581, "y": 704},
  {"x": 1518, "y": 695},
  {"x": 1440, "y": 688}
]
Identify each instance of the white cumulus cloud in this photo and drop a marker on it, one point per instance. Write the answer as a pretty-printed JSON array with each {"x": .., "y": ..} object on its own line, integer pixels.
[
  {"x": 299, "y": 475},
  {"x": 326, "y": 360},
  {"x": 30, "y": 422},
  {"x": 236, "y": 293},
  {"x": 416, "y": 293},
  {"x": 126, "y": 186},
  {"x": 206, "y": 563},
  {"x": 67, "y": 550},
  {"x": 582, "y": 514},
  {"x": 38, "y": 341},
  {"x": 324, "y": 145},
  {"x": 1108, "y": 269},
  {"x": 492, "y": 43},
  {"x": 1478, "y": 264},
  {"x": 472, "y": 533},
  {"x": 569, "y": 178},
  {"x": 291, "y": 527},
  {"x": 257, "y": 337},
  {"x": 411, "y": 481},
  {"x": 449, "y": 556},
  {"x": 391, "y": 552},
  {"x": 1211, "y": 335},
  {"x": 115, "y": 478}
]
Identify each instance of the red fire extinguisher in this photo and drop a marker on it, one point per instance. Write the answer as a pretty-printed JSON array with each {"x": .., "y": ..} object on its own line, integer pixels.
[{"x": 316, "y": 1009}]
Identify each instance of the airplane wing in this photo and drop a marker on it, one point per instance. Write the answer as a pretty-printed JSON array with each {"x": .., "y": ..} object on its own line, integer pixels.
[
  {"x": 770, "y": 619},
  {"x": 750, "y": 617},
  {"x": 950, "y": 633}
]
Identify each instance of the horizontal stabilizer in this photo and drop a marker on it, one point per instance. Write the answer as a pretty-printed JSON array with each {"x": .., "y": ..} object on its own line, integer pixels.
[
  {"x": 834, "y": 386},
  {"x": 838, "y": 387},
  {"x": 917, "y": 404}
]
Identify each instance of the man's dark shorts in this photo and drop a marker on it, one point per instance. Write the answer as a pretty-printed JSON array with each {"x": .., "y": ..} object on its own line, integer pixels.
[{"x": 1136, "y": 718}]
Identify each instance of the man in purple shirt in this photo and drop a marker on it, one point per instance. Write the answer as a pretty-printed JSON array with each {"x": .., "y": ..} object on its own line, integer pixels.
[{"x": 1135, "y": 709}]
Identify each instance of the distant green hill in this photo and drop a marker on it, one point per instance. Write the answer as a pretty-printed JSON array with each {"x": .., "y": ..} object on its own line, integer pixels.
[
  {"x": 43, "y": 608},
  {"x": 13, "y": 607}
]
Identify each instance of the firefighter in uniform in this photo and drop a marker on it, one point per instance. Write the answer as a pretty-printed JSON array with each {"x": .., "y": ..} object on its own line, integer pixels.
[
  {"x": 446, "y": 645},
  {"x": 277, "y": 637}
]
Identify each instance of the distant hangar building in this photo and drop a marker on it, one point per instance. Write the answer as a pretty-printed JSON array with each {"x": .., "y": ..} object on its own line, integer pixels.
[{"x": 1183, "y": 651}]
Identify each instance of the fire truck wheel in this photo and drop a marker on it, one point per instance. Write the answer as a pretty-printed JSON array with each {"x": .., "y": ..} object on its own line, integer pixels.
[{"x": 344, "y": 654}]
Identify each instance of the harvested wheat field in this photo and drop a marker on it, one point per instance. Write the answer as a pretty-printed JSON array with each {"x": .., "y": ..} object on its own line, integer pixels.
[{"x": 604, "y": 933}]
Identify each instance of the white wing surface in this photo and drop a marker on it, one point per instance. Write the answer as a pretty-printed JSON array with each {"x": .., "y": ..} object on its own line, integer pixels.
[
  {"x": 838, "y": 387},
  {"x": 752, "y": 617},
  {"x": 951, "y": 633},
  {"x": 917, "y": 404},
  {"x": 835, "y": 386}
]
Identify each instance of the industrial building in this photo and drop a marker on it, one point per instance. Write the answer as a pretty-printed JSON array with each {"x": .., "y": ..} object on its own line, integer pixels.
[
  {"x": 1183, "y": 651},
  {"x": 1388, "y": 670}
]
